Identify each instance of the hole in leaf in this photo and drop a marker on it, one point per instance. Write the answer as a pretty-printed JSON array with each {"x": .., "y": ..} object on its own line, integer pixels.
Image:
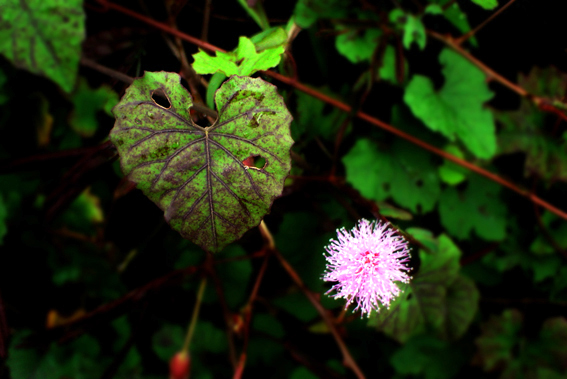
[
  {"x": 160, "y": 99},
  {"x": 255, "y": 162},
  {"x": 419, "y": 183}
]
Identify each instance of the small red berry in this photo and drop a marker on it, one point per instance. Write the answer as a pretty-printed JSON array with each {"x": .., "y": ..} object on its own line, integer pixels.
[{"x": 179, "y": 366}]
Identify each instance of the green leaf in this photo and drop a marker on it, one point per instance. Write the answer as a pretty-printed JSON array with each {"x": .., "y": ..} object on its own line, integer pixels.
[
  {"x": 306, "y": 12},
  {"x": 208, "y": 338},
  {"x": 438, "y": 299},
  {"x": 556, "y": 228},
  {"x": 433, "y": 358},
  {"x": 167, "y": 341},
  {"x": 87, "y": 103},
  {"x": 414, "y": 30},
  {"x": 44, "y": 37},
  {"x": 302, "y": 373},
  {"x": 270, "y": 38},
  {"x": 268, "y": 324},
  {"x": 477, "y": 208},
  {"x": 457, "y": 109},
  {"x": 195, "y": 174},
  {"x": 455, "y": 16},
  {"x": 83, "y": 213},
  {"x": 314, "y": 119},
  {"x": 243, "y": 61},
  {"x": 77, "y": 359},
  {"x": 450, "y": 172},
  {"x": 401, "y": 171},
  {"x": 256, "y": 12},
  {"x": 388, "y": 69},
  {"x": 356, "y": 46},
  {"x": 486, "y": 4}
]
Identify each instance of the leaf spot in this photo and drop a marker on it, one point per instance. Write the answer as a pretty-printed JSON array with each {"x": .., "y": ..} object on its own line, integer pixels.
[
  {"x": 255, "y": 162},
  {"x": 161, "y": 99}
]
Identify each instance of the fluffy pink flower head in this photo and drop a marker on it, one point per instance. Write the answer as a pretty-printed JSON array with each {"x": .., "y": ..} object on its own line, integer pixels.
[{"x": 366, "y": 262}]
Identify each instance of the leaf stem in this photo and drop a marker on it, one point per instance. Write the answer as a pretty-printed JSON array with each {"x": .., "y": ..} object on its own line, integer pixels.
[
  {"x": 348, "y": 360},
  {"x": 470, "y": 33},
  {"x": 195, "y": 315}
]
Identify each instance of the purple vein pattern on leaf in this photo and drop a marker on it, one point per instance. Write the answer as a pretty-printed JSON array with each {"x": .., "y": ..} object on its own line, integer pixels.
[{"x": 198, "y": 175}]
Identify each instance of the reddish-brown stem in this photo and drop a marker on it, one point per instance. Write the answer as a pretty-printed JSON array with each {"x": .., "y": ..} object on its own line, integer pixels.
[
  {"x": 372, "y": 120},
  {"x": 348, "y": 360},
  {"x": 470, "y": 33},
  {"x": 248, "y": 316},
  {"x": 226, "y": 314}
]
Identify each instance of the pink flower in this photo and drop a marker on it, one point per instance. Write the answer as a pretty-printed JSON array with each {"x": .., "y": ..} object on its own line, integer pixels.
[{"x": 366, "y": 262}]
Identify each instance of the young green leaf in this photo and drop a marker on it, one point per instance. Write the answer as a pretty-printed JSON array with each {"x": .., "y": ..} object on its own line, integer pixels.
[
  {"x": 199, "y": 176},
  {"x": 457, "y": 109},
  {"x": 244, "y": 61},
  {"x": 44, "y": 37}
]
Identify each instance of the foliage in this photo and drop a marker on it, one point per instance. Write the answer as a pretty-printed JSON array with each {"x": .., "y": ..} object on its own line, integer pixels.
[{"x": 142, "y": 175}]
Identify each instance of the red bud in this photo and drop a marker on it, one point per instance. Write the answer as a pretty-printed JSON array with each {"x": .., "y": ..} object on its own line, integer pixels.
[{"x": 179, "y": 366}]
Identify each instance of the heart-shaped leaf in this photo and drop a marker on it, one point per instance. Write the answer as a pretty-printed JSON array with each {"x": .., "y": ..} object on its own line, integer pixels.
[{"x": 204, "y": 178}]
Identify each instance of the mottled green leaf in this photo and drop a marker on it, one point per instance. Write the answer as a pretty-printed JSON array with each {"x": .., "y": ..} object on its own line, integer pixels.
[
  {"x": 457, "y": 109},
  {"x": 355, "y": 45},
  {"x": 523, "y": 130},
  {"x": 478, "y": 208},
  {"x": 195, "y": 174},
  {"x": 438, "y": 299},
  {"x": 243, "y": 61},
  {"x": 503, "y": 347},
  {"x": 498, "y": 337},
  {"x": 87, "y": 103},
  {"x": 44, "y": 37},
  {"x": 486, "y": 4},
  {"x": 400, "y": 171}
]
